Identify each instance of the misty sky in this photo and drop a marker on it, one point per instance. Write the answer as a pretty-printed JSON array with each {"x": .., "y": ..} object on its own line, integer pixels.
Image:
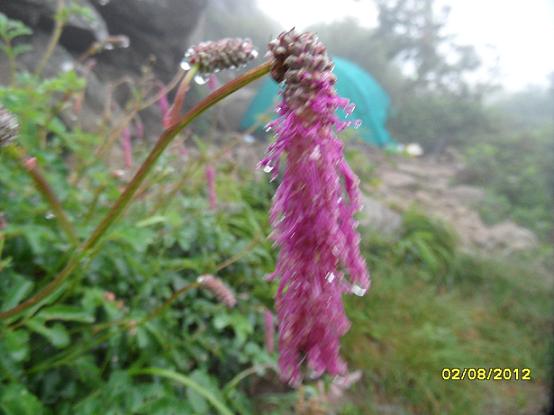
[{"x": 519, "y": 33}]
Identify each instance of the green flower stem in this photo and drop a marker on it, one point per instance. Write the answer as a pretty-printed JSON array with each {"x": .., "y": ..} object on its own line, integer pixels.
[
  {"x": 185, "y": 381},
  {"x": 233, "y": 383},
  {"x": 123, "y": 200},
  {"x": 56, "y": 34},
  {"x": 151, "y": 315},
  {"x": 47, "y": 192},
  {"x": 164, "y": 200}
]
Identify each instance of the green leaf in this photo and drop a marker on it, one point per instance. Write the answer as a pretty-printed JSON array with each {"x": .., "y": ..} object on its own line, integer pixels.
[
  {"x": 151, "y": 221},
  {"x": 16, "y": 400},
  {"x": 186, "y": 381},
  {"x": 17, "y": 344},
  {"x": 19, "y": 289},
  {"x": 57, "y": 334},
  {"x": 66, "y": 313}
]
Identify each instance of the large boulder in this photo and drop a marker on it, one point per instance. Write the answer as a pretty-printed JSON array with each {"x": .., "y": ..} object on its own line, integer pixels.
[
  {"x": 156, "y": 28},
  {"x": 158, "y": 31},
  {"x": 377, "y": 216},
  {"x": 80, "y": 31}
]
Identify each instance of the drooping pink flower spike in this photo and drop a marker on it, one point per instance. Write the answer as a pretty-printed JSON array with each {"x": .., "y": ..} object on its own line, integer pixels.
[{"x": 312, "y": 212}]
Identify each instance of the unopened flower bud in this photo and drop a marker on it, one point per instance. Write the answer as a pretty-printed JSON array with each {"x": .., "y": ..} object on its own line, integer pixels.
[
  {"x": 301, "y": 61},
  {"x": 228, "y": 53},
  {"x": 218, "y": 289},
  {"x": 9, "y": 127}
]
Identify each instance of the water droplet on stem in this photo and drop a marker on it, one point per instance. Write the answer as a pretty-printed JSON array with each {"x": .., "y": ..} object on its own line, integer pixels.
[{"x": 200, "y": 80}]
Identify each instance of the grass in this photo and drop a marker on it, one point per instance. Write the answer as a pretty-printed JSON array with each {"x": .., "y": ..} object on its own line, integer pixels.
[{"x": 410, "y": 325}]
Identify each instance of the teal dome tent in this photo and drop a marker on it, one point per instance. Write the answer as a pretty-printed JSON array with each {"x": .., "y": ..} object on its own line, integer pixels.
[{"x": 372, "y": 103}]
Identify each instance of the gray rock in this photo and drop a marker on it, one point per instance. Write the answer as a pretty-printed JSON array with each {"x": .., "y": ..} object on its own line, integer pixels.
[
  {"x": 399, "y": 180},
  {"x": 469, "y": 195},
  {"x": 509, "y": 237},
  {"x": 80, "y": 31},
  {"x": 157, "y": 28},
  {"x": 376, "y": 215},
  {"x": 158, "y": 31}
]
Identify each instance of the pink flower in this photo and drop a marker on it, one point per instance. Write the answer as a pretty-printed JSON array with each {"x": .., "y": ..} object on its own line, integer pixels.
[
  {"x": 218, "y": 289},
  {"x": 210, "y": 179},
  {"x": 312, "y": 212},
  {"x": 214, "y": 56}
]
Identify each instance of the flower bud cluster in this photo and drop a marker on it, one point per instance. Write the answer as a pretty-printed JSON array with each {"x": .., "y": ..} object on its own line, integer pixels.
[
  {"x": 218, "y": 289},
  {"x": 228, "y": 53},
  {"x": 9, "y": 126},
  {"x": 301, "y": 61}
]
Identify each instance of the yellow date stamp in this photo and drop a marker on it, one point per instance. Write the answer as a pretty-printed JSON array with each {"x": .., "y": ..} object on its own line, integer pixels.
[{"x": 481, "y": 373}]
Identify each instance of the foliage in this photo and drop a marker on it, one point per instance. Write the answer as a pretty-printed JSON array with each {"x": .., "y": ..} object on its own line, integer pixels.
[
  {"x": 492, "y": 313},
  {"x": 515, "y": 169},
  {"x": 427, "y": 243},
  {"x": 104, "y": 345},
  {"x": 437, "y": 121}
]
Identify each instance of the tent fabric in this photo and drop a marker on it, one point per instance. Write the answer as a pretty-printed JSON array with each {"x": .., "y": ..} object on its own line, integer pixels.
[{"x": 372, "y": 103}]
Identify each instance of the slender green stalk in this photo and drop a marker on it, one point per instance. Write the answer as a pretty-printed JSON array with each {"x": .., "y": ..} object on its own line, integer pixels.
[
  {"x": 158, "y": 310},
  {"x": 165, "y": 200},
  {"x": 12, "y": 66},
  {"x": 56, "y": 34},
  {"x": 163, "y": 141},
  {"x": 152, "y": 314},
  {"x": 239, "y": 255},
  {"x": 185, "y": 381},
  {"x": 245, "y": 373},
  {"x": 46, "y": 191}
]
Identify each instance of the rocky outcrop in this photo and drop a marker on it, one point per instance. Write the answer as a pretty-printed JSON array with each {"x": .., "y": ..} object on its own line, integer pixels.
[
  {"x": 81, "y": 30},
  {"x": 156, "y": 28},
  {"x": 378, "y": 216},
  {"x": 429, "y": 185},
  {"x": 158, "y": 31}
]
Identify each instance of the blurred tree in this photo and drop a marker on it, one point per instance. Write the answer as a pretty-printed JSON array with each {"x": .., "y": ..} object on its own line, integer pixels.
[
  {"x": 412, "y": 32},
  {"x": 240, "y": 18}
]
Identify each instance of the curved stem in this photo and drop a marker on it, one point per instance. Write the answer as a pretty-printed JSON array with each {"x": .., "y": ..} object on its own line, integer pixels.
[
  {"x": 56, "y": 34},
  {"x": 47, "y": 192},
  {"x": 185, "y": 381},
  {"x": 12, "y": 66},
  {"x": 152, "y": 314},
  {"x": 245, "y": 373},
  {"x": 163, "y": 141}
]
